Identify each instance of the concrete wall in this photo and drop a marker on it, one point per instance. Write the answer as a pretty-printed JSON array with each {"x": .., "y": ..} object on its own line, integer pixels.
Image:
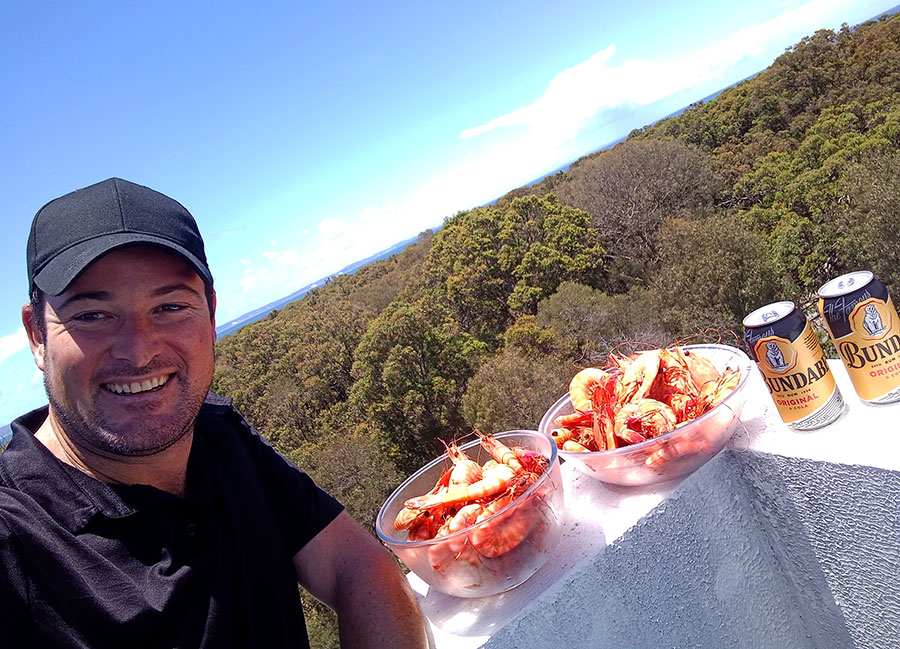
[
  {"x": 835, "y": 529},
  {"x": 753, "y": 550}
]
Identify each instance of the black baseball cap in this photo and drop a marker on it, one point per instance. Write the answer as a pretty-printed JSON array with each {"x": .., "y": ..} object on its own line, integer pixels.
[{"x": 71, "y": 232}]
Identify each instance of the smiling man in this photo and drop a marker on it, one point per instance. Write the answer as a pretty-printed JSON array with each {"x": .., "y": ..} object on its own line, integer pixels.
[{"x": 138, "y": 509}]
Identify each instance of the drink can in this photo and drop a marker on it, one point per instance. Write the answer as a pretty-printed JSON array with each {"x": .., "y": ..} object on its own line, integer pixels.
[
  {"x": 864, "y": 326},
  {"x": 783, "y": 344}
]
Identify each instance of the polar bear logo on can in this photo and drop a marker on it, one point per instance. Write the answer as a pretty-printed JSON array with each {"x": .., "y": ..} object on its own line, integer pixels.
[
  {"x": 872, "y": 322},
  {"x": 775, "y": 357}
]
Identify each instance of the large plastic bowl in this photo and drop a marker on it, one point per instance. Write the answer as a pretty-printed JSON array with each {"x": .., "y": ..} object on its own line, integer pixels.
[
  {"x": 452, "y": 564},
  {"x": 676, "y": 453}
]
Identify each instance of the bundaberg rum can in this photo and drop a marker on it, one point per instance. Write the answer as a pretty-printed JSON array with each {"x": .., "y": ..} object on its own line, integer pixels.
[
  {"x": 864, "y": 326},
  {"x": 796, "y": 372}
]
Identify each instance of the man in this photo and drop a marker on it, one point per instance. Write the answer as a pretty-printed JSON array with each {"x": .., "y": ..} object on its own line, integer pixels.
[{"x": 137, "y": 509}]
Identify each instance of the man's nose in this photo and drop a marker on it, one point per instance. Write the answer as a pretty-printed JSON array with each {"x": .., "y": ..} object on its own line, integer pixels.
[{"x": 136, "y": 340}]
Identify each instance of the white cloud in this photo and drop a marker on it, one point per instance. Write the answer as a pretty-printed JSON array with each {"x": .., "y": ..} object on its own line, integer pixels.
[
  {"x": 250, "y": 278},
  {"x": 283, "y": 257},
  {"x": 584, "y": 103},
  {"x": 21, "y": 384},
  {"x": 378, "y": 214},
  {"x": 602, "y": 98},
  {"x": 13, "y": 343},
  {"x": 332, "y": 228},
  {"x": 571, "y": 96},
  {"x": 579, "y": 94},
  {"x": 273, "y": 273}
]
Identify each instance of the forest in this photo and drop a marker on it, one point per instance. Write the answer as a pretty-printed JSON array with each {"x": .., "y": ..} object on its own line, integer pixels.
[{"x": 780, "y": 183}]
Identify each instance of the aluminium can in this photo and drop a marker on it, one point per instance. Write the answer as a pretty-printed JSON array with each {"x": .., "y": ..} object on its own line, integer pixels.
[
  {"x": 784, "y": 346},
  {"x": 862, "y": 321}
]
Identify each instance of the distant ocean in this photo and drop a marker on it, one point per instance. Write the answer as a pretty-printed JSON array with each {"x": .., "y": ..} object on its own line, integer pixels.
[{"x": 260, "y": 313}]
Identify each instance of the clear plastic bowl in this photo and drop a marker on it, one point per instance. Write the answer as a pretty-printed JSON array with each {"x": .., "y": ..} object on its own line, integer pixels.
[
  {"x": 529, "y": 527},
  {"x": 676, "y": 453}
]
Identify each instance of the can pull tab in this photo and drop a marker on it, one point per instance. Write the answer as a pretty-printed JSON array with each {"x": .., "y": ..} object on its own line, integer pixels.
[
  {"x": 850, "y": 281},
  {"x": 769, "y": 316}
]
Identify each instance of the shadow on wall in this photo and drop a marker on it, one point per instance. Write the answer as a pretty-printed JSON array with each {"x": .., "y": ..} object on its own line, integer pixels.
[
  {"x": 753, "y": 550},
  {"x": 835, "y": 530}
]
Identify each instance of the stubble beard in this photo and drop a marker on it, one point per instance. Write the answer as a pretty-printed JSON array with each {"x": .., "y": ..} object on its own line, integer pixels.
[{"x": 145, "y": 434}]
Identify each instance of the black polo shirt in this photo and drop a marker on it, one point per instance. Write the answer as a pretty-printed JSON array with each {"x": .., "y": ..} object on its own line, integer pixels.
[{"x": 89, "y": 564}]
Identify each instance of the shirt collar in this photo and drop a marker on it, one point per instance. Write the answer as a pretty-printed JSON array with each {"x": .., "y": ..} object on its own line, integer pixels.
[{"x": 69, "y": 495}]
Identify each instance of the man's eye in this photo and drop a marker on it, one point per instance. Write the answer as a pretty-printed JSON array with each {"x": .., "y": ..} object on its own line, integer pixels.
[
  {"x": 171, "y": 308},
  {"x": 90, "y": 316}
]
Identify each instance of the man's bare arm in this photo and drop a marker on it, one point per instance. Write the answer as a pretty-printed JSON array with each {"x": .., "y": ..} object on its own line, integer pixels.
[{"x": 350, "y": 571}]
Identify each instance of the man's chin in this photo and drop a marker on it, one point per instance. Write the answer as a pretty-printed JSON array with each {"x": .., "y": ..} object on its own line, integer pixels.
[
  {"x": 133, "y": 439},
  {"x": 144, "y": 445}
]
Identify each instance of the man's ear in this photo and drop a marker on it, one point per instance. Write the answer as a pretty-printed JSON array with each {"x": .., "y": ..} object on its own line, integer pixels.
[{"x": 35, "y": 337}]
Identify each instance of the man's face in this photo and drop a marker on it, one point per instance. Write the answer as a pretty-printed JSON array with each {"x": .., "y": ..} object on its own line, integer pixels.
[{"x": 128, "y": 352}]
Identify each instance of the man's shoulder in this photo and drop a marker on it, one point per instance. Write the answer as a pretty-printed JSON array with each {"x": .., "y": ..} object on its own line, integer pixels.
[
  {"x": 220, "y": 420},
  {"x": 218, "y": 412},
  {"x": 216, "y": 401},
  {"x": 18, "y": 512}
]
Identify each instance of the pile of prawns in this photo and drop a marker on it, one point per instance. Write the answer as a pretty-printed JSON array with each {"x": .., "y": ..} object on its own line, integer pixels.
[
  {"x": 468, "y": 493},
  {"x": 639, "y": 397}
]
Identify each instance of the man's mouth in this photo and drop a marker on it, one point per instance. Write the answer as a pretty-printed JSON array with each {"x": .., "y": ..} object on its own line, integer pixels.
[{"x": 138, "y": 386}]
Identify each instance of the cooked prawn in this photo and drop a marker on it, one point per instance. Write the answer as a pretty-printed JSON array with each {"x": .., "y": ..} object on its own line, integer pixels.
[
  {"x": 644, "y": 419},
  {"x": 501, "y": 452},
  {"x": 534, "y": 463},
  {"x": 577, "y": 418},
  {"x": 638, "y": 374},
  {"x": 494, "y": 480},
  {"x": 464, "y": 518},
  {"x": 583, "y": 386},
  {"x": 561, "y": 436},
  {"x": 675, "y": 375},
  {"x": 702, "y": 369},
  {"x": 500, "y": 536},
  {"x": 714, "y": 391},
  {"x": 465, "y": 469},
  {"x": 427, "y": 528},
  {"x": 409, "y": 517}
]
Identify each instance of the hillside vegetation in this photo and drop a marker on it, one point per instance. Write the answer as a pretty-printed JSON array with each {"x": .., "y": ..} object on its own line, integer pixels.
[{"x": 780, "y": 183}]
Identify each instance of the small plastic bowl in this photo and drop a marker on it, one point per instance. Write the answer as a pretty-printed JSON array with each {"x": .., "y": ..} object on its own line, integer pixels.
[
  {"x": 523, "y": 533},
  {"x": 676, "y": 453}
]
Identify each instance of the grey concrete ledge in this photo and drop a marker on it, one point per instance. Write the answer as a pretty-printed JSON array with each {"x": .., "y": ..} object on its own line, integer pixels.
[{"x": 784, "y": 539}]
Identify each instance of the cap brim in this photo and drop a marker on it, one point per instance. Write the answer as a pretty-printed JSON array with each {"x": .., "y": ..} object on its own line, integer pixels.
[{"x": 65, "y": 267}]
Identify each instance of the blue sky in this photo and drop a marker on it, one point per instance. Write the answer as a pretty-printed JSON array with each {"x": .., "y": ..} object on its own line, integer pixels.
[{"x": 306, "y": 136}]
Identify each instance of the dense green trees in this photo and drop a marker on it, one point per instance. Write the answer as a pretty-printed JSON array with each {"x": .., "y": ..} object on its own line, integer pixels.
[
  {"x": 780, "y": 183},
  {"x": 792, "y": 140},
  {"x": 629, "y": 191},
  {"x": 765, "y": 192},
  {"x": 285, "y": 371},
  {"x": 411, "y": 369},
  {"x": 869, "y": 217},
  {"x": 492, "y": 264},
  {"x": 713, "y": 273}
]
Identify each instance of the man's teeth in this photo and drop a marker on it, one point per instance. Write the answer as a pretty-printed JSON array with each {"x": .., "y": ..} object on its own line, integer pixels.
[{"x": 138, "y": 386}]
